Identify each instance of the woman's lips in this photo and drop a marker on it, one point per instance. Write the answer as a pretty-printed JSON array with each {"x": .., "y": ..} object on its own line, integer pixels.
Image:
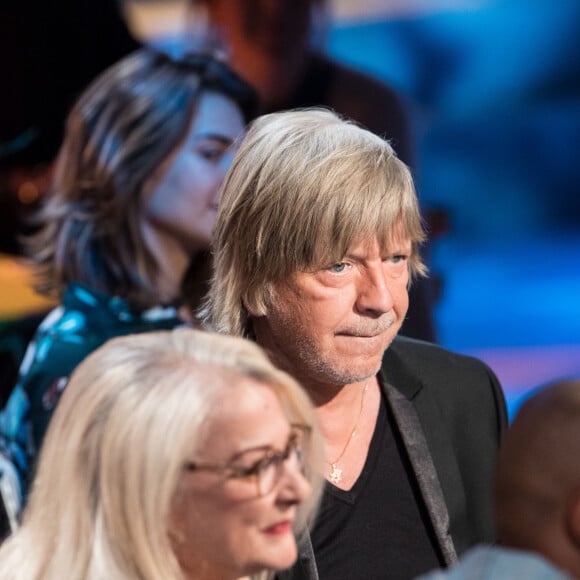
[{"x": 279, "y": 528}]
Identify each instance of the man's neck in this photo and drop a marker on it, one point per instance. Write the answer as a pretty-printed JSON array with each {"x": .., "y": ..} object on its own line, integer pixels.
[{"x": 347, "y": 421}]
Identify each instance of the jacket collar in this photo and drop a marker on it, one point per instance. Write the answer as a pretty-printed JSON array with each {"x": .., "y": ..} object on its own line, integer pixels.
[{"x": 395, "y": 372}]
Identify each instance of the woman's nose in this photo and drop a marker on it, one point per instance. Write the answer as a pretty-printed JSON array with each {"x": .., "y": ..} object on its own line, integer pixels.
[{"x": 294, "y": 485}]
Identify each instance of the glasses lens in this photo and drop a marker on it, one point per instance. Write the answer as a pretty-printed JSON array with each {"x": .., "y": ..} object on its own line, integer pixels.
[
  {"x": 269, "y": 474},
  {"x": 271, "y": 468},
  {"x": 301, "y": 446}
]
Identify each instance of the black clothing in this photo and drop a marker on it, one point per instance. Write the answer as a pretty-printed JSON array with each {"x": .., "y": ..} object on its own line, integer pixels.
[
  {"x": 449, "y": 412},
  {"x": 385, "y": 492}
]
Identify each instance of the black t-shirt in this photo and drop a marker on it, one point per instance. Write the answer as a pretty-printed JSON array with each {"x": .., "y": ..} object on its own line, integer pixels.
[{"x": 379, "y": 529}]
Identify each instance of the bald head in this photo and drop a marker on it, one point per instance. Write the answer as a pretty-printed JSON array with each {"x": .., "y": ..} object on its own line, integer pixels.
[{"x": 538, "y": 477}]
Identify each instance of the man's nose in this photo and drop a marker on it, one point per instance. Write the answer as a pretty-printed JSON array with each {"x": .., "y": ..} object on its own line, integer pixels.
[{"x": 374, "y": 297}]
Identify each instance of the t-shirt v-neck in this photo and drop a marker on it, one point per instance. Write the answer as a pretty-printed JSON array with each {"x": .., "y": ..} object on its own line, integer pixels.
[
  {"x": 379, "y": 528},
  {"x": 350, "y": 496}
]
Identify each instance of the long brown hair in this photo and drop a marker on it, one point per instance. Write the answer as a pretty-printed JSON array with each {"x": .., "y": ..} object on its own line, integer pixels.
[{"x": 122, "y": 127}]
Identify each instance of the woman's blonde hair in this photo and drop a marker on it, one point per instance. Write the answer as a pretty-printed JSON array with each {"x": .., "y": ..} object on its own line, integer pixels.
[
  {"x": 303, "y": 187},
  {"x": 130, "y": 418}
]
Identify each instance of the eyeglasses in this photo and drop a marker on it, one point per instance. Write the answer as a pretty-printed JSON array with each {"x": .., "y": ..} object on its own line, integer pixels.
[{"x": 266, "y": 471}]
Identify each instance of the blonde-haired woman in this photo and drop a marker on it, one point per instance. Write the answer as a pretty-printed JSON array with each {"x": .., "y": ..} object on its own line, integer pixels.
[{"x": 172, "y": 455}]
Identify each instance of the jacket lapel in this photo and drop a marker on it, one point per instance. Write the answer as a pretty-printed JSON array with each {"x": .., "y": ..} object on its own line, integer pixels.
[
  {"x": 419, "y": 455},
  {"x": 435, "y": 463}
]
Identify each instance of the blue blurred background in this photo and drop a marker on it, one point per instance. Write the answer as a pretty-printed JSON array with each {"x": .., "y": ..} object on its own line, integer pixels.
[
  {"x": 493, "y": 88},
  {"x": 494, "y": 91}
]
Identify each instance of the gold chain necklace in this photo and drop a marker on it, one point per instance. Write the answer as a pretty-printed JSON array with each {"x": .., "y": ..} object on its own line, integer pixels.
[{"x": 335, "y": 475}]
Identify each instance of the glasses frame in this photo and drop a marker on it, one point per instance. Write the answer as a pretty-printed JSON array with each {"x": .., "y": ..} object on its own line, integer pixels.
[{"x": 271, "y": 457}]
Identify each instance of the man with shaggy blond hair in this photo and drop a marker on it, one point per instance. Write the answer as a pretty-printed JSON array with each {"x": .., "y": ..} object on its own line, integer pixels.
[{"x": 317, "y": 240}]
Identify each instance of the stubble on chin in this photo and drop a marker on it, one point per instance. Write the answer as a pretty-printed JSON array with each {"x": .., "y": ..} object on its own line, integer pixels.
[
  {"x": 330, "y": 369},
  {"x": 315, "y": 361}
]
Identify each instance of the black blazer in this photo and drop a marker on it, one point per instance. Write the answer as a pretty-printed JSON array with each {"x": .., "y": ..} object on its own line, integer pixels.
[{"x": 451, "y": 412}]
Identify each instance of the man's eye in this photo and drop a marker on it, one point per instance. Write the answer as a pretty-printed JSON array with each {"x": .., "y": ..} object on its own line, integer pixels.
[
  {"x": 398, "y": 258},
  {"x": 338, "y": 267}
]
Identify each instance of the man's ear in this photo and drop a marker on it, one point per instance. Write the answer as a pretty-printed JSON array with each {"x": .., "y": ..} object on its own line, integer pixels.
[
  {"x": 573, "y": 517},
  {"x": 257, "y": 305},
  {"x": 250, "y": 307}
]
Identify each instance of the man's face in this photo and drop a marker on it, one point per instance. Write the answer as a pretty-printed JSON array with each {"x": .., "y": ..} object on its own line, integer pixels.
[{"x": 331, "y": 326}]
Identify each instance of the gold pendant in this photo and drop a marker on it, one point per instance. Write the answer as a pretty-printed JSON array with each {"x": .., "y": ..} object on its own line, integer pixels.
[{"x": 335, "y": 475}]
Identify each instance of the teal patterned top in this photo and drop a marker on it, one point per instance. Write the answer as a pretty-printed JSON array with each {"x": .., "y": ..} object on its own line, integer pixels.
[{"x": 84, "y": 321}]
